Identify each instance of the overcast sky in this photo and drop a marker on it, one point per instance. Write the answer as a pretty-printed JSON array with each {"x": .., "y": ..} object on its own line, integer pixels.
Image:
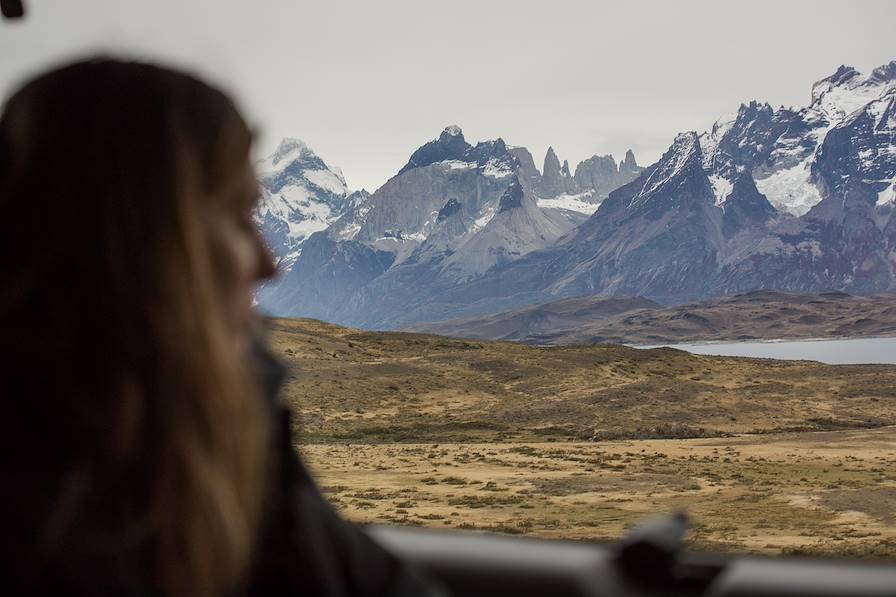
[{"x": 365, "y": 83}]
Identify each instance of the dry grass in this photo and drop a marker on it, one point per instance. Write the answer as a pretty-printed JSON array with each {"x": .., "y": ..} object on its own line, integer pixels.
[
  {"x": 767, "y": 456},
  {"x": 821, "y": 492},
  {"x": 357, "y": 386}
]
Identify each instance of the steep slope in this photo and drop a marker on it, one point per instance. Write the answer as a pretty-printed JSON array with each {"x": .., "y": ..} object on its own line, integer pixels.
[{"x": 518, "y": 227}]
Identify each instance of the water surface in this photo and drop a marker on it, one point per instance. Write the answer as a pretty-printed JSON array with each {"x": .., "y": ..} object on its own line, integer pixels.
[{"x": 834, "y": 352}]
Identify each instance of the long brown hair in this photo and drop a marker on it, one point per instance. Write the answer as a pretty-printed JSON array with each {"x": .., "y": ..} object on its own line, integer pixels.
[{"x": 134, "y": 443}]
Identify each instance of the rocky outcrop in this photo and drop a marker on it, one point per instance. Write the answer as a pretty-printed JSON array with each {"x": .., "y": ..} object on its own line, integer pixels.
[
  {"x": 450, "y": 145},
  {"x": 629, "y": 168},
  {"x": 601, "y": 174},
  {"x": 553, "y": 180}
]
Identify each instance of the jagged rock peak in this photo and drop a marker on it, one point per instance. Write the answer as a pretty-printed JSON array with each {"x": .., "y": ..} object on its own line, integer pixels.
[
  {"x": 493, "y": 147},
  {"x": 512, "y": 197},
  {"x": 629, "y": 161},
  {"x": 449, "y": 146},
  {"x": 754, "y": 107},
  {"x": 841, "y": 75},
  {"x": 682, "y": 157},
  {"x": 556, "y": 179},
  {"x": 564, "y": 170},
  {"x": 687, "y": 141},
  {"x": 847, "y": 90},
  {"x": 294, "y": 163},
  {"x": 550, "y": 158},
  {"x": 602, "y": 167},
  {"x": 452, "y": 130},
  {"x": 884, "y": 73},
  {"x": 358, "y": 197},
  {"x": 290, "y": 148}
]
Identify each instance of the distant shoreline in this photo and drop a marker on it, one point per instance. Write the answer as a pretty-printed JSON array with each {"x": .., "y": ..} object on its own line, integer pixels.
[
  {"x": 863, "y": 350},
  {"x": 757, "y": 341},
  {"x": 767, "y": 317}
]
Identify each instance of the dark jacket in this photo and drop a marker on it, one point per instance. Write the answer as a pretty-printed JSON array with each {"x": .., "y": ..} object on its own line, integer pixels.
[{"x": 306, "y": 548}]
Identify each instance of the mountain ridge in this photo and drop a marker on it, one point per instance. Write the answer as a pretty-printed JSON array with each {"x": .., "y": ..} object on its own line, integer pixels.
[{"x": 752, "y": 316}]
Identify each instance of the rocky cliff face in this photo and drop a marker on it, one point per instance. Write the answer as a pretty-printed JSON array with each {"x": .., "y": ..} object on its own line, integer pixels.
[
  {"x": 556, "y": 179},
  {"x": 603, "y": 175},
  {"x": 593, "y": 180}
]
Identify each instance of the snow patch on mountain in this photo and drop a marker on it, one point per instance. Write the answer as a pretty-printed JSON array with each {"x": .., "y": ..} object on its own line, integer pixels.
[
  {"x": 497, "y": 169},
  {"x": 709, "y": 140},
  {"x": 847, "y": 90},
  {"x": 721, "y": 188},
  {"x": 578, "y": 203},
  {"x": 458, "y": 165},
  {"x": 791, "y": 190},
  {"x": 887, "y": 196},
  {"x": 485, "y": 217},
  {"x": 289, "y": 150},
  {"x": 329, "y": 180}
]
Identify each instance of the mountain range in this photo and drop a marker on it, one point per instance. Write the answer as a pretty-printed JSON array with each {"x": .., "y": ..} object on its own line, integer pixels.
[
  {"x": 452, "y": 213},
  {"x": 797, "y": 199}
]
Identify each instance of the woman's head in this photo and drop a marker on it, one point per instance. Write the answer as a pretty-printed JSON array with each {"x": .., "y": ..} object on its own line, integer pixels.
[{"x": 128, "y": 256}]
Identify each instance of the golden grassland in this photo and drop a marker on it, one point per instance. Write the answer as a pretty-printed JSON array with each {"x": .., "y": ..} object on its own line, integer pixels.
[{"x": 581, "y": 442}]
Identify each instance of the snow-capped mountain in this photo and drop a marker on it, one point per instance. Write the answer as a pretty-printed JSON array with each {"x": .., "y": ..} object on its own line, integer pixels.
[
  {"x": 781, "y": 148},
  {"x": 453, "y": 212},
  {"x": 789, "y": 199},
  {"x": 300, "y": 196},
  {"x": 797, "y": 199}
]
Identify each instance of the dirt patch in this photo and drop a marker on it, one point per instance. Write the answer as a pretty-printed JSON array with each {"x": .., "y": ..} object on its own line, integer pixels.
[{"x": 879, "y": 503}]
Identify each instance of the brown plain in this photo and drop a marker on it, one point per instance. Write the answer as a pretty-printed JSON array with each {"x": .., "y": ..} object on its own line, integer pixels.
[{"x": 581, "y": 442}]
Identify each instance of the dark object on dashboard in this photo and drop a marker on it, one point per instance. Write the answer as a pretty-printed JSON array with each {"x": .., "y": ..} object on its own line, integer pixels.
[
  {"x": 650, "y": 551},
  {"x": 12, "y": 9}
]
